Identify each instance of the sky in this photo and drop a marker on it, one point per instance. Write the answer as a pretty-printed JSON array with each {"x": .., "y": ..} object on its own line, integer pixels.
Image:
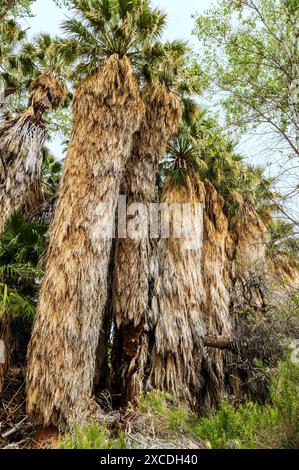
[{"x": 180, "y": 23}]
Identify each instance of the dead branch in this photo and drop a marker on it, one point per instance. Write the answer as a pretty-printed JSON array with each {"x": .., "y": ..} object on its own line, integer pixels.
[{"x": 218, "y": 342}]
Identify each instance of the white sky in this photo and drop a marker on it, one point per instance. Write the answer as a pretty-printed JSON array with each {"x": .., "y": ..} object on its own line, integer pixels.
[{"x": 180, "y": 24}]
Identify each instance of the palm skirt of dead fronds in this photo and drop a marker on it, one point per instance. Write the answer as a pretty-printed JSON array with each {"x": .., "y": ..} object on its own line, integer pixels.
[
  {"x": 61, "y": 361},
  {"x": 132, "y": 255}
]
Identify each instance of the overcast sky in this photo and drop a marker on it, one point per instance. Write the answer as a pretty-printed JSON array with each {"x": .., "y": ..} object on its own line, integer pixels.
[{"x": 180, "y": 23}]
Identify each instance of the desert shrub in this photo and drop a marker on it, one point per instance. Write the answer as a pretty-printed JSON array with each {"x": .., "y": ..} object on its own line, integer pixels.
[
  {"x": 92, "y": 436},
  {"x": 250, "y": 425}
]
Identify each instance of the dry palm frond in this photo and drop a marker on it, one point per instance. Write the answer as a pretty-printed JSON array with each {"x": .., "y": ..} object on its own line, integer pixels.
[
  {"x": 21, "y": 141},
  {"x": 250, "y": 236},
  {"x": 132, "y": 257},
  {"x": 215, "y": 272},
  {"x": 61, "y": 359},
  {"x": 47, "y": 92},
  {"x": 176, "y": 319}
]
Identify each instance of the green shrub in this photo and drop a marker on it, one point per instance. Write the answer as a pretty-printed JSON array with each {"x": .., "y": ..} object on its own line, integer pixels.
[
  {"x": 251, "y": 426},
  {"x": 92, "y": 436}
]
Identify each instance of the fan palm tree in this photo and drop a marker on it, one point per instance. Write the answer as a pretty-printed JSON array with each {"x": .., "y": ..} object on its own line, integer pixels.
[
  {"x": 23, "y": 136},
  {"x": 163, "y": 74},
  {"x": 176, "y": 322},
  {"x": 107, "y": 110}
]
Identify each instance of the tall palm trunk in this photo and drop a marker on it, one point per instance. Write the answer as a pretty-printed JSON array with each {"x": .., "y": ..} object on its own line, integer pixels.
[
  {"x": 62, "y": 351},
  {"x": 176, "y": 322},
  {"x": 21, "y": 142},
  {"x": 132, "y": 255},
  {"x": 215, "y": 272}
]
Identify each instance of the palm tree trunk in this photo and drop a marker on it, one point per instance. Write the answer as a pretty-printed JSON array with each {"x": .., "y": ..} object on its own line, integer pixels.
[
  {"x": 21, "y": 142},
  {"x": 62, "y": 351},
  {"x": 215, "y": 308},
  {"x": 132, "y": 255},
  {"x": 176, "y": 324}
]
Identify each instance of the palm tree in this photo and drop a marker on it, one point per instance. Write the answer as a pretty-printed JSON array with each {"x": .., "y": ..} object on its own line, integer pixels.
[
  {"x": 13, "y": 67},
  {"x": 163, "y": 72},
  {"x": 175, "y": 350},
  {"x": 215, "y": 274},
  {"x": 23, "y": 136},
  {"x": 107, "y": 111}
]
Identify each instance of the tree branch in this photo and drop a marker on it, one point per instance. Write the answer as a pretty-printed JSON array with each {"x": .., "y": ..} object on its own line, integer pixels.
[{"x": 6, "y": 9}]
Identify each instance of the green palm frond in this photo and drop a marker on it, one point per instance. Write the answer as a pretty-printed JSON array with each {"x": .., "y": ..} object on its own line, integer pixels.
[
  {"x": 21, "y": 245},
  {"x": 103, "y": 28}
]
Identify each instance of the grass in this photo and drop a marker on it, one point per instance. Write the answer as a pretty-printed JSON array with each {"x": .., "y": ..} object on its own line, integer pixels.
[
  {"x": 243, "y": 426},
  {"x": 93, "y": 436}
]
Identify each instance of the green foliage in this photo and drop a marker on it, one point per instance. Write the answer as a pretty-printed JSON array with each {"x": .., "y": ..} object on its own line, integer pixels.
[
  {"x": 245, "y": 426},
  {"x": 21, "y": 246},
  {"x": 92, "y": 436},
  {"x": 105, "y": 27},
  {"x": 204, "y": 150},
  {"x": 165, "y": 410},
  {"x": 250, "y": 55},
  {"x": 274, "y": 425},
  {"x": 51, "y": 173},
  {"x": 284, "y": 239}
]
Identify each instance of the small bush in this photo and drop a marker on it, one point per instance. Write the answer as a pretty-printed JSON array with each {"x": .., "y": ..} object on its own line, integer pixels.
[
  {"x": 92, "y": 436},
  {"x": 251, "y": 426}
]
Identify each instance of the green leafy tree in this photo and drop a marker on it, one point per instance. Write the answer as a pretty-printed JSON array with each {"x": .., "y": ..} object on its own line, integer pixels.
[{"x": 250, "y": 55}]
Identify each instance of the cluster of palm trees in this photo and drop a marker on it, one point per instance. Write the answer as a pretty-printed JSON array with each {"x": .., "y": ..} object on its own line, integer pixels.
[{"x": 136, "y": 131}]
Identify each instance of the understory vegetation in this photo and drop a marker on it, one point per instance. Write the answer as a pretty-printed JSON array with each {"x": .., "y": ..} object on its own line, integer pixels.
[{"x": 235, "y": 425}]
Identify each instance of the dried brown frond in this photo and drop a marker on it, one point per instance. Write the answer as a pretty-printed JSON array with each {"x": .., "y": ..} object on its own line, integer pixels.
[
  {"x": 61, "y": 359},
  {"x": 47, "y": 92},
  {"x": 21, "y": 141}
]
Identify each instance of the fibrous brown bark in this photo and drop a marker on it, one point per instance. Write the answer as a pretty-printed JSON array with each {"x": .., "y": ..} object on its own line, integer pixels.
[
  {"x": 215, "y": 273},
  {"x": 62, "y": 351},
  {"x": 132, "y": 255},
  {"x": 175, "y": 348},
  {"x": 21, "y": 141}
]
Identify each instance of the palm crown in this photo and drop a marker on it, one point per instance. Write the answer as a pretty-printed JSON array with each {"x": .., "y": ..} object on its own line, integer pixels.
[{"x": 102, "y": 28}]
